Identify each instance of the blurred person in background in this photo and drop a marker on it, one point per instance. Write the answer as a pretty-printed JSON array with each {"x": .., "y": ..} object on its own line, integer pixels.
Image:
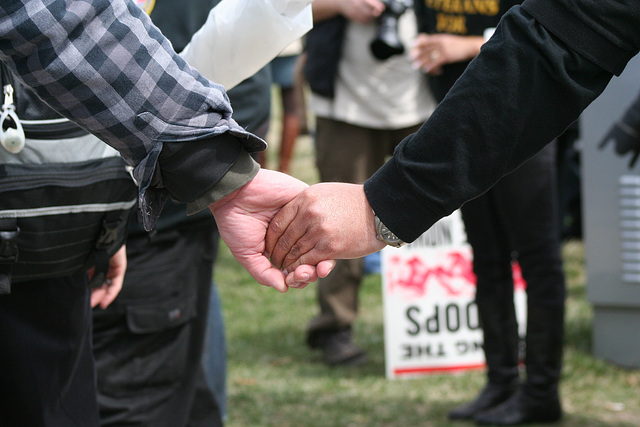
[
  {"x": 546, "y": 62},
  {"x": 366, "y": 97},
  {"x": 516, "y": 220},
  {"x": 283, "y": 69},
  {"x": 191, "y": 149},
  {"x": 160, "y": 347}
]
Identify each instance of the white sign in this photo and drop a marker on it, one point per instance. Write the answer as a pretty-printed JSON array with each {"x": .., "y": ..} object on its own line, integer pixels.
[{"x": 430, "y": 318}]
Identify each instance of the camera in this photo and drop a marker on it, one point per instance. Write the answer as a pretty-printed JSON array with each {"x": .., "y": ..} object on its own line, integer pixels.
[{"x": 387, "y": 42}]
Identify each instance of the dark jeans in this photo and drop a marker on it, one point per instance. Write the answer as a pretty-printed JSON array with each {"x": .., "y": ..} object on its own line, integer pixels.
[{"x": 517, "y": 219}]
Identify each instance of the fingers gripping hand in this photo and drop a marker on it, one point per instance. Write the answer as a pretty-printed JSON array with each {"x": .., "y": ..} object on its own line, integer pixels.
[
  {"x": 305, "y": 274},
  {"x": 327, "y": 221},
  {"x": 243, "y": 218},
  {"x": 108, "y": 292}
]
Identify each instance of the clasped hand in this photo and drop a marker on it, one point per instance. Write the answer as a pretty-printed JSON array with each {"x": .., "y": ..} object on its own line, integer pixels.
[
  {"x": 326, "y": 221},
  {"x": 285, "y": 233},
  {"x": 243, "y": 218}
]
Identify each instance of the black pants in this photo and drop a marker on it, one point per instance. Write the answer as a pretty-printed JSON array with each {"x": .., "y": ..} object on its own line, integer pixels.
[
  {"x": 149, "y": 342},
  {"x": 518, "y": 218},
  {"x": 47, "y": 375}
]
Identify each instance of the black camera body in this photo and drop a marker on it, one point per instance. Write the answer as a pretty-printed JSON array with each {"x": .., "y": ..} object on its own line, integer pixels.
[{"x": 387, "y": 41}]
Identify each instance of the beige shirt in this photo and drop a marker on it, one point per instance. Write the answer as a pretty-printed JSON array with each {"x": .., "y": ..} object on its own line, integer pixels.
[{"x": 377, "y": 94}]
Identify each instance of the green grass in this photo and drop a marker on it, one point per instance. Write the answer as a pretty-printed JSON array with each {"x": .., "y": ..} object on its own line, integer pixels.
[{"x": 275, "y": 380}]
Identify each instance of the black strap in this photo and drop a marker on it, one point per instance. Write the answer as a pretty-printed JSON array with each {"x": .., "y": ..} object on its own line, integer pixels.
[
  {"x": 565, "y": 25},
  {"x": 112, "y": 228},
  {"x": 8, "y": 251},
  {"x": 101, "y": 268}
]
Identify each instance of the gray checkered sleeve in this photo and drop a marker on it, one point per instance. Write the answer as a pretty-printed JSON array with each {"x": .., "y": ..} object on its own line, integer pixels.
[{"x": 104, "y": 65}]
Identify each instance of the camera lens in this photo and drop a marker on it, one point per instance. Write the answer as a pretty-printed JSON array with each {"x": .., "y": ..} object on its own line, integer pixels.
[{"x": 387, "y": 41}]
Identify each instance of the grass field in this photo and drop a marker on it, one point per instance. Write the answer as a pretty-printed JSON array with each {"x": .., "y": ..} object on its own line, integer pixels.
[{"x": 275, "y": 380}]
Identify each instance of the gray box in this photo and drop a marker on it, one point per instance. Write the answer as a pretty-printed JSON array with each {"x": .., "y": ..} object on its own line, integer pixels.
[{"x": 611, "y": 218}]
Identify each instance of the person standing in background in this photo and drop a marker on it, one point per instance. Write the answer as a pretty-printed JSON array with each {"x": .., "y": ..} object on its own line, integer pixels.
[
  {"x": 283, "y": 71},
  {"x": 364, "y": 106},
  {"x": 517, "y": 219},
  {"x": 49, "y": 376},
  {"x": 160, "y": 347}
]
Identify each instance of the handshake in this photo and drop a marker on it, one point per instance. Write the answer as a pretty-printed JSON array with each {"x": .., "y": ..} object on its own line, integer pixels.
[{"x": 287, "y": 234}]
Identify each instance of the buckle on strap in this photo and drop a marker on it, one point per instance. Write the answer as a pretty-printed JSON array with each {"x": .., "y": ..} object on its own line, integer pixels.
[{"x": 9, "y": 232}]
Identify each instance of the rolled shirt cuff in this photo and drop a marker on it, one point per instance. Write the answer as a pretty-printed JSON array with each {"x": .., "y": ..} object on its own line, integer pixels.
[
  {"x": 240, "y": 173},
  {"x": 196, "y": 173}
]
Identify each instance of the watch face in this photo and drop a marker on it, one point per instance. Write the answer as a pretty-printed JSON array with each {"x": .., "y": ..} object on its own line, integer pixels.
[{"x": 385, "y": 235}]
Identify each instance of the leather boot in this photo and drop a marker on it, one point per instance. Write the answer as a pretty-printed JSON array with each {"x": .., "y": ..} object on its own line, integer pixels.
[
  {"x": 500, "y": 334},
  {"x": 490, "y": 396},
  {"x": 537, "y": 401}
]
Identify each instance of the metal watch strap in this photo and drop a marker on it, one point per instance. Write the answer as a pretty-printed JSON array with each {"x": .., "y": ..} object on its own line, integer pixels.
[{"x": 385, "y": 235}]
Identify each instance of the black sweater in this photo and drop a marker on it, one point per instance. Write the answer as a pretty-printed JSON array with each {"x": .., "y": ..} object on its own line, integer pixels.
[{"x": 545, "y": 64}]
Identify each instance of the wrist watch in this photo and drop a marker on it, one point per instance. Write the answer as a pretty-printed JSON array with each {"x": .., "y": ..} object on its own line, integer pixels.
[{"x": 385, "y": 235}]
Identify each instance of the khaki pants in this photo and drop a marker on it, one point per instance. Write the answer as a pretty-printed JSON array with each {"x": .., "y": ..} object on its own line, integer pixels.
[{"x": 347, "y": 153}]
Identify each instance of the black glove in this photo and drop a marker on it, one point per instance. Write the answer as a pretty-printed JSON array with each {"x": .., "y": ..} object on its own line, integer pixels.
[{"x": 626, "y": 134}]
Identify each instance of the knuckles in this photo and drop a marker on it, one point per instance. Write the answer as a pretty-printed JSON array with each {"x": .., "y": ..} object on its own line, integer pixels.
[{"x": 276, "y": 227}]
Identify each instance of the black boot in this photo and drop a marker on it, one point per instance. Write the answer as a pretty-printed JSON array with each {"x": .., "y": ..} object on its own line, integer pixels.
[
  {"x": 521, "y": 409},
  {"x": 500, "y": 334},
  {"x": 490, "y": 396},
  {"x": 538, "y": 400}
]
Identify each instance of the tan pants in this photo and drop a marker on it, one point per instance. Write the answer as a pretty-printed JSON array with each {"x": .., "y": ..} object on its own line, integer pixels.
[{"x": 347, "y": 153}]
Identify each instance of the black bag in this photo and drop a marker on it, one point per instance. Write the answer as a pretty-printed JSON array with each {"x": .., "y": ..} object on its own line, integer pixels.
[{"x": 65, "y": 196}]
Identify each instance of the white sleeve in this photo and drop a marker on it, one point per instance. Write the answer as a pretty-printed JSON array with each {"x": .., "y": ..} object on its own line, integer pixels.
[
  {"x": 242, "y": 36},
  {"x": 488, "y": 32}
]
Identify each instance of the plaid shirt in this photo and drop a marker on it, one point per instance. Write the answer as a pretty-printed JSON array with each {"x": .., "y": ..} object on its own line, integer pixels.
[{"x": 103, "y": 64}]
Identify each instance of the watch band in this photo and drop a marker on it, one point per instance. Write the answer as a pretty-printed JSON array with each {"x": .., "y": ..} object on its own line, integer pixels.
[{"x": 385, "y": 235}]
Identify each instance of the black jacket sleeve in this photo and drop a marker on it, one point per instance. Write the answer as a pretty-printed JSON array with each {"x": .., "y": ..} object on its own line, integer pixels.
[{"x": 530, "y": 81}]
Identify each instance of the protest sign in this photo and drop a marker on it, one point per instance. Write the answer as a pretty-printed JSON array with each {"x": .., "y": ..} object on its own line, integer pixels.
[{"x": 430, "y": 318}]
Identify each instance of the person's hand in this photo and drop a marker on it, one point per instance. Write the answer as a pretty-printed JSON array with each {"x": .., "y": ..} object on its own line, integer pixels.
[
  {"x": 243, "y": 217},
  {"x": 362, "y": 11},
  {"x": 105, "y": 294},
  {"x": 326, "y": 221},
  {"x": 430, "y": 52}
]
